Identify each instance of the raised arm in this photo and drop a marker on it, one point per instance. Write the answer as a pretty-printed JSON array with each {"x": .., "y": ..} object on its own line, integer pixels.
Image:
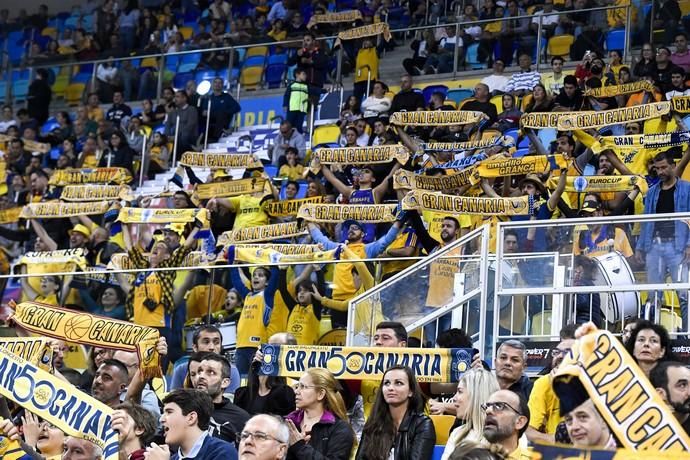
[
  {"x": 488, "y": 190},
  {"x": 320, "y": 238},
  {"x": 345, "y": 190},
  {"x": 560, "y": 188},
  {"x": 381, "y": 189},
  {"x": 43, "y": 235},
  {"x": 26, "y": 286}
]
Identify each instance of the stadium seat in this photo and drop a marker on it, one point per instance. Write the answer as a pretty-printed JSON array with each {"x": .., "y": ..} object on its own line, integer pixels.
[
  {"x": 514, "y": 133},
  {"x": 438, "y": 452},
  {"x": 181, "y": 79},
  {"x": 202, "y": 75},
  {"x": 547, "y": 136},
  {"x": 188, "y": 62},
  {"x": 241, "y": 52},
  {"x": 81, "y": 78},
  {"x": 257, "y": 51},
  {"x": 187, "y": 32},
  {"x": 50, "y": 32},
  {"x": 20, "y": 89},
  {"x": 429, "y": 90},
  {"x": 559, "y": 45},
  {"x": 3, "y": 91},
  {"x": 526, "y": 99},
  {"x": 171, "y": 62},
  {"x": 471, "y": 58},
  {"x": 252, "y": 61},
  {"x": 74, "y": 92},
  {"x": 615, "y": 39},
  {"x": 271, "y": 170},
  {"x": 520, "y": 153},
  {"x": 49, "y": 125},
  {"x": 275, "y": 75},
  {"x": 150, "y": 62},
  {"x": 442, "y": 425},
  {"x": 250, "y": 77},
  {"x": 498, "y": 102},
  {"x": 459, "y": 94},
  {"x": 281, "y": 58},
  {"x": 524, "y": 143},
  {"x": 325, "y": 134}
]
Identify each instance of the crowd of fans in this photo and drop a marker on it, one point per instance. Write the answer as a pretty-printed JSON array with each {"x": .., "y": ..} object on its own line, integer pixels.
[{"x": 220, "y": 406}]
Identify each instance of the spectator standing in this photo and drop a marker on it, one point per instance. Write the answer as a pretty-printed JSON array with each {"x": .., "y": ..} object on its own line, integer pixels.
[
  {"x": 515, "y": 31},
  {"x": 549, "y": 20},
  {"x": 314, "y": 61},
  {"x": 188, "y": 131},
  {"x": 407, "y": 99},
  {"x": 296, "y": 100},
  {"x": 287, "y": 137},
  {"x": 39, "y": 97},
  {"x": 118, "y": 114},
  {"x": 104, "y": 23},
  {"x": 366, "y": 68},
  {"x": 279, "y": 10},
  {"x": 667, "y": 15},
  {"x": 127, "y": 25},
  {"x": 524, "y": 81},
  {"x": 223, "y": 108}
]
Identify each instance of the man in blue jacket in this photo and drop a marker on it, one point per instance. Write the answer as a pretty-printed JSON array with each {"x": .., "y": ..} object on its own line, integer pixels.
[
  {"x": 223, "y": 109},
  {"x": 664, "y": 246}
]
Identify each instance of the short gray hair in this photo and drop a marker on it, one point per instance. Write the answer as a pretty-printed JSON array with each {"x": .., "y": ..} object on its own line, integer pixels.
[
  {"x": 281, "y": 427},
  {"x": 512, "y": 343}
]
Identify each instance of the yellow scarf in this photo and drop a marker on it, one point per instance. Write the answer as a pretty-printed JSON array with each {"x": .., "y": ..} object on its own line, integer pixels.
[
  {"x": 615, "y": 90},
  {"x": 239, "y": 187},
  {"x": 220, "y": 160},
  {"x": 89, "y": 192},
  {"x": 261, "y": 233},
  {"x": 365, "y": 31},
  {"x": 10, "y": 216},
  {"x": 598, "y": 119},
  {"x": 36, "y": 350},
  {"x": 600, "y": 184},
  {"x": 406, "y": 180},
  {"x": 380, "y": 154},
  {"x": 434, "y": 201},
  {"x": 342, "y": 212},
  {"x": 287, "y": 208},
  {"x": 58, "y": 210},
  {"x": 506, "y": 166},
  {"x": 271, "y": 256},
  {"x": 680, "y": 104},
  {"x": 161, "y": 216},
  {"x": 342, "y": 16},
  {"x": 70, "y": 176},
  {"x": 63, "y": 257},
  {"x": 436, "y": 118},
  {"x": 91, "y": 330}
]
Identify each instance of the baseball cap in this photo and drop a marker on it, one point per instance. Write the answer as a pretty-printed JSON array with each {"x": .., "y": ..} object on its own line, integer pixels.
[
  {"x": 175, "y": 227},
  {"x": 83, "y": 229},
  {"x": 590, "y": 206},
  {"x": 350, "y": 222}
]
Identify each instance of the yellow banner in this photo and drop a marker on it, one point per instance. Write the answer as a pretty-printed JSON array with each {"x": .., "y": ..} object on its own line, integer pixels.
[
  {"x": 220, "y": 160},
  {"x": 121, "y": 261},
  {"x": 271, "y": 256},
  {"x": 436, "y": 118},
  {"x": 365, "y": 363},
  {"x": 29, "y": 146},
  {"x": 261, "y": 233},
  {"x": 549, "y": 452},
  {"x": 161, "y": 215},
  {"x": 36, "y": 350},
  {"x": 239, "y": 187},
  {"x": 598, "y": 119},
  {"x": 63, "y": 177},
  {"x": 467, "y": 145},
  {"x": 58, "y": 210},
  {"x": 341, "y": 212},
  {"x": 434, "y": 201},
  {"x": 539, "y": 120},
  {"x": 615, "y": 90},
  {"x": 366, "y": 31},
  {"x": 680, "y": 104},
  {"x": 600, "y": 184},
  {"x": 287, "y": 208},
  {"x": 61, "y": 256},
  {"x": 331, "y": 18},
  {"x": 379, "y": 154},
  {"x": 86, "y": 329},
  {"x": 406, "y": 180},
  {"x": 506, "y": 166},
  {"x": 10, "y": 216},
  {"x": 631, "y": 407},
  {"x": 89, "y": 192},
  {"x": 57, "y": 402},
  {"x": 288, "y": 249}
]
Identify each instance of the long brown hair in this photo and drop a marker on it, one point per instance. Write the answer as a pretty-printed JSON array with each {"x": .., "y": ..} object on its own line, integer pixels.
[
  {"x": 380, "y": 430},
  {"x": 324, "y": 380}
]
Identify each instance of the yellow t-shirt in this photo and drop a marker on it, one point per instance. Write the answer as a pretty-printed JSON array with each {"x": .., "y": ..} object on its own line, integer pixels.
[
  {"x": 344, "y": 287},
  {"x": 434, "y": 221},
  {"x": 619, "y": 243},
  {"x": 95, "y": 114},
  {"x": 367, "y": 57},
  {"x": 279, "y": 316},
  {"x": 441, "y": 280},
  {"x": 248, "y": 211},
  {"x": 149, "y": 289},
  {"x": 291, "y": 172},
  {"x": 197, "y": 300},
  {"x": 251, "y": 331},
  {"x": 406, "y": 238},
  {"x": 304, "y": 325},
  {"x": 544, "y": 406},
  {"x": 50, "y": 299}
]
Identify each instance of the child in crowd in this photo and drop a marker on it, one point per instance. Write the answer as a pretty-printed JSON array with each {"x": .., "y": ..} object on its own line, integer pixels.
[
  {"x": 293, "y": 169},
  {"x": 296, "y": 100}
]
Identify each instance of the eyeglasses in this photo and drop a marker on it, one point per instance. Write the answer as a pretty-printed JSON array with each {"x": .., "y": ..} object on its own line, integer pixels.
[
  {"x": 498, "y": 407},
  {"x": 257, "y": 436},
  {"x": 558, "y": 352},
  {"x": 300, "y": 386}
]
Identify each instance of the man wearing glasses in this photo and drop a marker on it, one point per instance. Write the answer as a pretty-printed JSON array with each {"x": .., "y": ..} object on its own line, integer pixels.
[
  {"x": 507, "y": 418},
  {"x": 264, "y": 437}
]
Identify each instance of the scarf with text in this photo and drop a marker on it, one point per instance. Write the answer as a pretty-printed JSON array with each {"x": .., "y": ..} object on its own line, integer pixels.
[
  {"x": 91, "y": 330},
  {"x": 162, "y": 216},
  {"x": 262, "y": 233},
  {"x": 29, "y": 145},
  {"x": 680, "y": 104},
  {"x": 332, "y": 18},
  {"x": 649, "y": 142},
  {"x": 89, "y": 192},
  {"x": 71, "y": 176},
  {"x": 600, "y": 184},
  {"x": 10, "y": 216},
  {"x": 239, "y": 187},
  {"x": 406, "y": 180},
  {"x": 507, "y": 166},
  {"x": 270, "y": 256},
  {"x": 35, "y": 350},
  {"x": 365, "y": 31},
  {"x": 434, "y": 201},
  {"x": 287, "y": 208},
  {"x": 337, "y": 213},
  {"x": 615, "y": 90},
  {"x": 220, "y": 160},
  {"x": 436, "y": 118},
  {"x": 58, "y": 210},
  {"x": 598, "y": 119},
  {"x": 380, "y": 154},
  {"x": 67, "y": 258}
]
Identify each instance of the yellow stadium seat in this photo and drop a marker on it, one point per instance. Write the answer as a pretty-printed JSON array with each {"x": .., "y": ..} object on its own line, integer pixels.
[
  {"x": 74, "y": 92},
  {"x": 50, "y": 32},
  {"x": 257, "y": 51},
  {"x": 684, "y": 7},
  {"x": 186, "y": 32},
  {"x": 325, "y": 134},
  {"x": 670, "y": 319},
  {"x": 149, "y": 62},
  {"x": 442, "y": 425},
  {"x": 526, "y": 99},
  {"x": 559, "y": 45},
  {"x": 536, "y": 327},
  {"x": 490, "y": 134},
  {"x": 498, "y": 102},
  {"x": 451, "y": 103},
  {"x": 465, "y": 102},
  {"x": 250, "y": 78},
  {"x": 60, "y": 85}
]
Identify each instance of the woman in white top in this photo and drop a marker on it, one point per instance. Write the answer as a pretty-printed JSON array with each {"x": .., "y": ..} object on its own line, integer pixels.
[
  {"x": 377, "y": 104},
  {"x": 474, "y": 388}
]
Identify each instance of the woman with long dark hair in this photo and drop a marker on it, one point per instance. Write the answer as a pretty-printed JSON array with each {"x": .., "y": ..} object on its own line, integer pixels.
[
  {"x": 119, "y": 153},
  {"x": 397, "y": 427},
  {"x": 265, "y": 394}
]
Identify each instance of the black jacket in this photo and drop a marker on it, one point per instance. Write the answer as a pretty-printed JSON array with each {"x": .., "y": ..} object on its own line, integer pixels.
[
  {"x": 331, "y": 439},
  {"x": 415, "y": 439}
]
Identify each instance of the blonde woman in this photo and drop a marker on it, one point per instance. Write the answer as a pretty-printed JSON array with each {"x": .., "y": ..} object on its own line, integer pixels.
[
  {"x": 474, "y": 388},
  {"x": 319, "y": 428}
]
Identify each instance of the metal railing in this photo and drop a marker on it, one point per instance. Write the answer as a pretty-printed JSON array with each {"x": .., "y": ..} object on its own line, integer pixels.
[{"x": 338, "y": 77}]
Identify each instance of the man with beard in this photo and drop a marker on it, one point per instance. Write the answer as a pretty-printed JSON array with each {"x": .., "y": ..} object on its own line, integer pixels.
[
  {"x": 587, "y": 428},
  {"x": 665, "y": 245},
  {"x": 213, "y": 377},
  {"x": 110, "y": 381},
  {"x": 544, "y": 405},
  {"x": 507, "y": 418},
  {"x": 672, "y": 381}
]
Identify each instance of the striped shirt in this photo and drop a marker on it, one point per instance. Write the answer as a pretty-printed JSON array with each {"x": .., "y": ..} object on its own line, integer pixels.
[{"x": 524, "y": 80}]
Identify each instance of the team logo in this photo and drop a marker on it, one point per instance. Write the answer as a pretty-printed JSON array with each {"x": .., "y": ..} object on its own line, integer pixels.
[{"x": 580, "y": 184}]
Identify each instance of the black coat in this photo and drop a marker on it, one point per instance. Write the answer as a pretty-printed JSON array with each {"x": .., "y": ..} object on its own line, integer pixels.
[
  {"x": 415, "y": 439},
  {"x": 330, "y": 440},
  {"x": 38, "y": 100}
]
